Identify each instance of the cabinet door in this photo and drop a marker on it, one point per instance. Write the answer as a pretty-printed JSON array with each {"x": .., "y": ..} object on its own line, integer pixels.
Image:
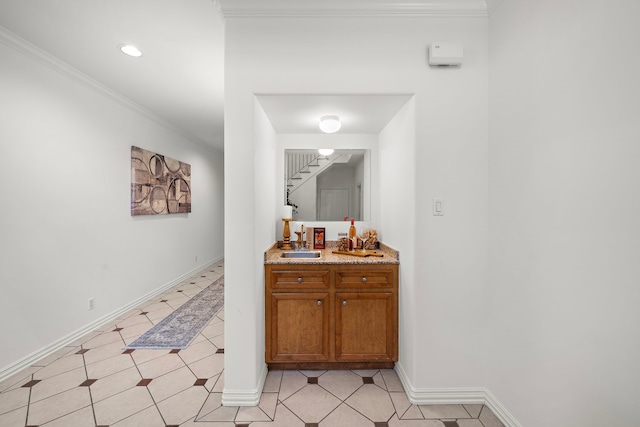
[
  {"x": 365, "y": 326},
  {"x": 299, "y": 327}
]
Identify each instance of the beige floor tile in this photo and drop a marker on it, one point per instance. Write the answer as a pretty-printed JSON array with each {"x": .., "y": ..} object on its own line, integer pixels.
[
  {"x": 379, "y": 381},
  {"x": 109, "y": 366},
  {"x": 65, "y": 364},
  {"x": 272, "y": 383},
  {"x": 154, "y": 306},
  {"x": 401, "y": 403},
  {"x": 446, "y": 412},
  {"x": 222, "y": 413},
  {"x": 157, "y": 315},
  {"x": 344, "y": 415},
  {"x": 160, "y": 366},
  {"x": 56, "y": 355},
  {"x": 17, "y": 417},
  {"x": 292, "y": 381},
  {"x": 172, "y": 383},
  {"x": 470, "y": 423},
  {"x": 473, "y": 410},
  {"x": 131, "y": 333},
  {"x": 312, "y": 403},
  {"x": 218, "y": 341},
  {"x": 83, "y": 339},
  {"x": 209, "y": 366},
  {"x": 80, "y": 418},
  {"x": 149, "y": 417},
  {"x": 142, "y": 356},
  {"x": 103, "y": 339},
  {"x": 138, "y": 319},
  {"x": 391, "y": 380},
  {"x": 395, "y": 422},
  {"x": 312, "y": 373},
  {"x": 106, "y": 351},
  {"x": 193, "y": 423},
  {"x": 59, "y": 405},
  {"x": 177, "y": 302},
  {"x": 213, "y": 402},
  {"x": 19, "y": 379},
  {"x": 365, "y": 372},
  {"x": 268, "y": 403},
  {"x": 58, "y": 384},
  {"x": 180, "y": 407},
  {"x": 197, "y": 350},
  {"x": 14, "y": 399},
  {"x": 341, "y": 384},
  {"x": 413, "y": 413},
  {"x": 213, "y": 330},
  {"x": 373, "y": 402},
  {"x": 489, "y": 419},
  {"x": 114, "y": 384},
  {"x": 247, "y": 414},
  {"x": 122, "y": 405},
  {"x": 284, "y": 418},
  {"x": 216, "y": 383}
]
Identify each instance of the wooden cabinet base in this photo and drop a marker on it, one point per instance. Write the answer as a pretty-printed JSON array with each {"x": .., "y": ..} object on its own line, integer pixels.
[
  {"x": 330, "y": 365},
  {"x": 331, "y": 316}
]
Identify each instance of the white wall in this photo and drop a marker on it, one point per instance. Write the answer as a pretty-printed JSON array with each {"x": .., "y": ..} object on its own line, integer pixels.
[
  {"x": 383, "y": 56},
  {"x": 563, "y": 344},
  {"x": 67, "y": 232}
]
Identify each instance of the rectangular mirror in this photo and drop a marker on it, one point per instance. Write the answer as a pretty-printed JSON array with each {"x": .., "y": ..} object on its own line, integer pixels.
[{"x": 328, "y": 187}]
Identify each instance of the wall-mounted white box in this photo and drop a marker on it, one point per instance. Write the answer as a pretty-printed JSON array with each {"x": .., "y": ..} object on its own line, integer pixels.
[{"x": 445, "y": 54}]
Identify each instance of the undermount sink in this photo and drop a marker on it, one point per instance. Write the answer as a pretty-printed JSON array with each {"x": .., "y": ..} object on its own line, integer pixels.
[{"x": 301, "y": 254}]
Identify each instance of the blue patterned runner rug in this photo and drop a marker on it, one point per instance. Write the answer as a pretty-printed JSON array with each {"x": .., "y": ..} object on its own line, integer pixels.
[{"x": 177, "y": 330}]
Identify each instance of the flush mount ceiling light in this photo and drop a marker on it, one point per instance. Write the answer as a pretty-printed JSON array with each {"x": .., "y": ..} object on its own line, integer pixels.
[
  {"x": 325, "y": 151},
  {"x": 330, "y": 124},
  {"x": 130, "y": 50}
]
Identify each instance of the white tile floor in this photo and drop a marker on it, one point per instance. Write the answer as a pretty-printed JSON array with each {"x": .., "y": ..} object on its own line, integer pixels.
[{"x": 94, "y": 382}]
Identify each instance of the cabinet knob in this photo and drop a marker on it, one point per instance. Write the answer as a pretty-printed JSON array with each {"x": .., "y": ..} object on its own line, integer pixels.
[
  {"x": 319, "y": 302},
  {"x": 364, "y": 280},
  {"x": 299, "y": 279},
  {"x": 344, "y": 302}
]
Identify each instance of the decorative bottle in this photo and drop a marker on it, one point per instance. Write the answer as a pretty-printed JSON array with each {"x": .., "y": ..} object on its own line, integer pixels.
[{"x": 353, "y": 242}]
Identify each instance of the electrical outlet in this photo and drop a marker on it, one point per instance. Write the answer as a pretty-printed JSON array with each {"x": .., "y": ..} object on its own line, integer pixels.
[{"x": 92, "y": 304}]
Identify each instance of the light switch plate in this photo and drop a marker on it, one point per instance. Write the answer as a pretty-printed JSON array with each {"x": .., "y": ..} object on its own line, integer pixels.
[{"x": 438, "y": 206}]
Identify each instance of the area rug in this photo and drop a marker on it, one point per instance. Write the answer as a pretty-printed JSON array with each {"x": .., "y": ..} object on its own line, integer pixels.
[{"x": 177, "y": 330}]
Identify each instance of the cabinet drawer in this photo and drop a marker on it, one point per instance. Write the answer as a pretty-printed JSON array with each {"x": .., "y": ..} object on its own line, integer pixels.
[
  {"x": 365, "y": 279},
  {"x": 299, "y": 279}
]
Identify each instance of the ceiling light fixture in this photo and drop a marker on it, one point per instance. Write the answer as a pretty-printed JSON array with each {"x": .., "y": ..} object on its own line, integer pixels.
[
  {"x": 130, "y": 50},
  {"x": 330, "y": 124},
  {"x": 325, "y": 151}
]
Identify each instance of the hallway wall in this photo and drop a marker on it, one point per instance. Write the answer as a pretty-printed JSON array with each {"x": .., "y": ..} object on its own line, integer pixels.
[
  {"x": 563, "y": 212},
  {"x": 67, "y": 232}
]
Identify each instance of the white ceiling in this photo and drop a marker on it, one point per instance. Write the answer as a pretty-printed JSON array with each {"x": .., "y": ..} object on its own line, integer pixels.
[
  {"x": 180, "y": 77},
  {"x": 358, "y": 113}
]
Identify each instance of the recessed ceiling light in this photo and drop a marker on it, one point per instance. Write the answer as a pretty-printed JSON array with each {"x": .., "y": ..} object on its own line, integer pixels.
[
  {"x": 325, "y": 151},
  {"x": 330, "y": 124},
  {"x": 130, "y": 50}
]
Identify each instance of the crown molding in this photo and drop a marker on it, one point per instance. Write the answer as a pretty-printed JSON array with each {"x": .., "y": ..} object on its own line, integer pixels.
[
  {"x": 44, "y": 58},
  {"x": 355, "y": 9}
]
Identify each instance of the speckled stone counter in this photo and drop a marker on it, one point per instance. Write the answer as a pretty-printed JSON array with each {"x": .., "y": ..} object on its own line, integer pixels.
[{"x": 390, "y": 256}]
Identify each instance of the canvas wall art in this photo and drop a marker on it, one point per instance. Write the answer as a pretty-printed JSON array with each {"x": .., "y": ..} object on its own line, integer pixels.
[{"x": 159, "y": 184}]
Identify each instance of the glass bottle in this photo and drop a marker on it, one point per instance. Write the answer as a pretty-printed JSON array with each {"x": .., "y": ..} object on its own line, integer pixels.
[{"x": 353, "y": 236}]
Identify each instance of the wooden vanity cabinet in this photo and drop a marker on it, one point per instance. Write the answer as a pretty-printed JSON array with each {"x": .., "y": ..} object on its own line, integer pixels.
[{"x": 331, "y": 315}]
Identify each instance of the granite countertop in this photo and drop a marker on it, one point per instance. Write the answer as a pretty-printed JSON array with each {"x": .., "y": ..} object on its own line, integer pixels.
[{"x": 391, "y": 256}]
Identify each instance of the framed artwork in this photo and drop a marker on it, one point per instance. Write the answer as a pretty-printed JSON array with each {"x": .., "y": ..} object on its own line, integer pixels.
[
  {"x": 159, "y": 184},
  {"x": 318, "y": 238}
]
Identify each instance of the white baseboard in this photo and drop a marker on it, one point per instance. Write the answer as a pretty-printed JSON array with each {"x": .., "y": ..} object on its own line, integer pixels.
[
  {"x": 450, "y": 396},
  {"x": 245, "y": 397},
  {"x": 40, "y": 354}
]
